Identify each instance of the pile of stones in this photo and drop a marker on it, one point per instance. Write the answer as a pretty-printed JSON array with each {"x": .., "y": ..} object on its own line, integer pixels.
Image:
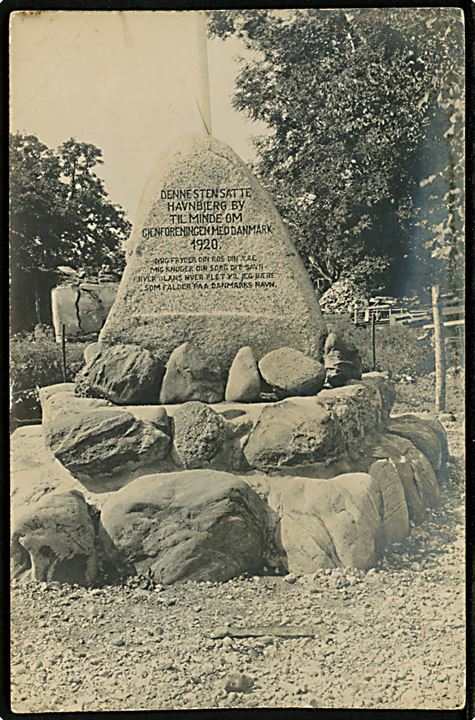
[
  {"x": 129, "y": 374},
  {"x": 341, "y": 297},
  {"x": 216, "y": 429},
  {"x": 209, "y": 491}
]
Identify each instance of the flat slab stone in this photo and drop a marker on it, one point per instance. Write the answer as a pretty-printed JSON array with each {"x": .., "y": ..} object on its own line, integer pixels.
[
  {"x": 35, "y": 472},
  {"x": 229, "y": 410},
  {"x": 209, "y": 261},
  {"x": 93, "y": 438}
]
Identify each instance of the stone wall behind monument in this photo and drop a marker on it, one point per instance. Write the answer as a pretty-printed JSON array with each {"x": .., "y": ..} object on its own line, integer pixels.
[{"x": 210, "y": 262}]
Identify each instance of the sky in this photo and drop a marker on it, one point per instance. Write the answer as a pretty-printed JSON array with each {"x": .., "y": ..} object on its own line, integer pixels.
[{"x": 124, "y": 81}]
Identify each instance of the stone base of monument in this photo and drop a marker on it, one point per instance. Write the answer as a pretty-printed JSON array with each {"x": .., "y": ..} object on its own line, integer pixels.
[{"x": 211, "y": 491}]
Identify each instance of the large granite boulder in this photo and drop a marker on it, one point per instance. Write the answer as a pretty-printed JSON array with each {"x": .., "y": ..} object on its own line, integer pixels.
[
  {"x": 191, "y": 376},
  {"x": 199, "y": 434},
  {"x": 356, "y": 411},
  {"x": 91, "y": 351},
  {"x": 393, "y": 506},
  {"x": 414, "y": 470},
  {"x": 34, "y": 471},
  {"x": 290, "y": 373},
  {"x": 423, "y": 472},
  {"x": 93, "y": 438},
  {"x": 209, "y": 261},
  {"x": 380, "y": 382},
  {"x": 244, "y": 381},
  {"x": 436, "y": 426},
  {"x": 54, "y": 539},
  {"x": 342, "y": 362},
  {"x": 197, "y": 525},
  {"x": 423, "y": 434},
  {"x": 327, "y": 523},
  {"x": 123, "y": 374},
  {"x": 292, "y": 433}
]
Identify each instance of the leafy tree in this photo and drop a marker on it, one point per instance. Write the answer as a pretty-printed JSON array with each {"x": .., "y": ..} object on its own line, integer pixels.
[
  {"x": 97, "y": 227},
  {"x": 37, "y": 218},
  {"x": 59, "y": 209},
  {"x": 349, "y": 96},
  {"x": 439, "y": 197},
  {"x": 59, "y": 215}
]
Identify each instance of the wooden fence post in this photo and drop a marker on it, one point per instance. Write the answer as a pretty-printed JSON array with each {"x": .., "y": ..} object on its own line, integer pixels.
[
  {"x": 63, "y": 349},
  {"x": 439, "y": 349},
  {"x": 373, "y": 339}
]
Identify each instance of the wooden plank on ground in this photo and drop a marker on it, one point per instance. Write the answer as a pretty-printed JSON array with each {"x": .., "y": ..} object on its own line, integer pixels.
[{"x": 282, "y": 631}]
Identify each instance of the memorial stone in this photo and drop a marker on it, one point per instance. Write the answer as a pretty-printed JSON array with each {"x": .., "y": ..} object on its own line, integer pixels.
[{"x": 209, "y": 261}]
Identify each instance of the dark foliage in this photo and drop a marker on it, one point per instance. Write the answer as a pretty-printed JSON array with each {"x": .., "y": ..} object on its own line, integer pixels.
[
  {"x": 415, "y": 360},
  {"x": 59, "y": 215},
  {"x": 36, "y": 361},
  {"x": 364, "y": 153}
]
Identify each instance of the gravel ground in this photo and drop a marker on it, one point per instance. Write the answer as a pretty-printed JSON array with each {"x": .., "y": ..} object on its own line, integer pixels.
[{"x": 391, "y": 638}]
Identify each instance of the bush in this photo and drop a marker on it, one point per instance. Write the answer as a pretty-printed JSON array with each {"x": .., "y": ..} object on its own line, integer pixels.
[
  {"x": 36, "y": 361},
  {"x": 420, "y": 395},
  {"x": 398, "y": 348},
  {"x": 401, "y": 350}
]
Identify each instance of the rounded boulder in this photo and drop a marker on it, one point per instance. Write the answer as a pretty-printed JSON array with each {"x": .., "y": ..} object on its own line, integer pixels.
[
  {"x": 196, "y": 525},
  {"x": 244, "y": 381},
  {"x": 291, "y": 373},
  {"x": 199, "y": 434},
  {"x": 190, "y": 375}
]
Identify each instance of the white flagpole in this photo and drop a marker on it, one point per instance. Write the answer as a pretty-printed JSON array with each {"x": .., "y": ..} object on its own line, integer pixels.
[{"x": 200, "y": 69}]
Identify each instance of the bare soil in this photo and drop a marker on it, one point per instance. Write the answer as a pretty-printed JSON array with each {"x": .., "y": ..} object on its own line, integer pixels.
[{"x": 391, "y": 638}]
